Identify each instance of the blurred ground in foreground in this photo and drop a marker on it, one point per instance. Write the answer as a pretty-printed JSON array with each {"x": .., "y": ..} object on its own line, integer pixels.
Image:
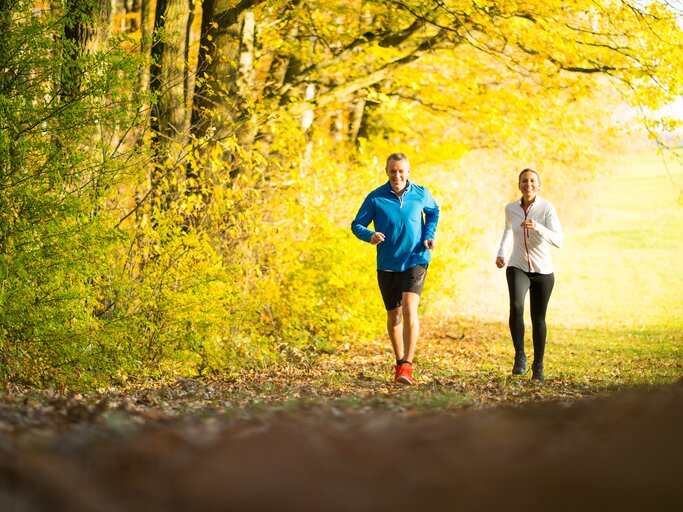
[{"x": 620, "y": 452}]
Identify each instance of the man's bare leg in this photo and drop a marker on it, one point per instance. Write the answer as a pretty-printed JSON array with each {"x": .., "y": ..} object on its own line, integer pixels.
[
  {"x": 395, "y": 330},
  {"x": 411, "y": 324}
]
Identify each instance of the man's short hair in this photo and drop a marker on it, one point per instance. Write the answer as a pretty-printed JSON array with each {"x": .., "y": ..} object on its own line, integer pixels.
[{"x": 397, "y": 157}]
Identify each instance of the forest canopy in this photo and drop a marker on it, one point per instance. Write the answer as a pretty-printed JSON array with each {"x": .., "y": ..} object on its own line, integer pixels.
[{"x": 178, "y": 177}]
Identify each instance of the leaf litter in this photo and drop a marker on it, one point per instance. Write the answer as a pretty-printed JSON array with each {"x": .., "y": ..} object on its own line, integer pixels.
[{"x": 338, "y": 419}]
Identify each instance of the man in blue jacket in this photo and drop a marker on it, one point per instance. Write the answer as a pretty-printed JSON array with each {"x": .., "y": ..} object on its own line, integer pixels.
[{"x": 404, "y": 217}]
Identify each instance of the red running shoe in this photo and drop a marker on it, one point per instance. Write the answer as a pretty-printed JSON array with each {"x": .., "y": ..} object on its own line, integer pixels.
[
  {"x": 397, "y": 369},
  {"x": 405, "y": 374}
]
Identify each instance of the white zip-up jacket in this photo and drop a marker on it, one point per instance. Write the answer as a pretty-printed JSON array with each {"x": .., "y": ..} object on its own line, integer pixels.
[{"x": 531, "y": 247}]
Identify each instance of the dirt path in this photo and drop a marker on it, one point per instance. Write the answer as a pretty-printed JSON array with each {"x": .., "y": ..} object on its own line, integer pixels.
[{"x": 616, "y": 453}]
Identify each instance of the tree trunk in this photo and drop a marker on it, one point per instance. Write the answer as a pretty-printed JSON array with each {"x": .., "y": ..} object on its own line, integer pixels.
[
  {"x": 9, "y": 156},
  {"x": 5, "y": 20},
  {"x": 170, "y": 120},
  {"x": 246, "y": 81},
  {"x": 357, "y": 119},
  {"x": 226, "y": 66},
  {"x": 145, "y": 48},
  {"x": 282, "y": 68},
  {"x": 133, "y": 6},
  {"x": 87, "y": 27}
]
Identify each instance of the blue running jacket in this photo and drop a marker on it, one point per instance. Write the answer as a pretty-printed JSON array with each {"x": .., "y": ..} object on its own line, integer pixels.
[{"x": 406, "y": 221}]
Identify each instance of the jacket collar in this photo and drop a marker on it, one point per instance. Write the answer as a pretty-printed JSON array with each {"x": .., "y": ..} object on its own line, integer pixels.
[{"x": 405, "y": 191}]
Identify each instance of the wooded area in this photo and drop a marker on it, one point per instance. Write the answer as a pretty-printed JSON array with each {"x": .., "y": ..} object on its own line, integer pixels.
[{"x": 178, "y": 177}]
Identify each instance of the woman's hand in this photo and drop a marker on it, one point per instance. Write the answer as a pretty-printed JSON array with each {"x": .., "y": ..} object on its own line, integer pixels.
[{"x": 500, "y": 262}]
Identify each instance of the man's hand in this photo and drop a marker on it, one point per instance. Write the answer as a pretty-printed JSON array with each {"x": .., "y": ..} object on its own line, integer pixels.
[
  {"x": 430, "y": 244},
  {"x": 376, "y": 238},
  {"x": 500, "y": 262}
]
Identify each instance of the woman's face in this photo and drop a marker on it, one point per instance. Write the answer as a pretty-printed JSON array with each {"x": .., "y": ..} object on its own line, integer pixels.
[{"x": 529, "y": 185}]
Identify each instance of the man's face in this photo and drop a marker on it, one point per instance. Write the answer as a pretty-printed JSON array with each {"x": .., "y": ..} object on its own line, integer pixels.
[{"x": 398, "y": 171}]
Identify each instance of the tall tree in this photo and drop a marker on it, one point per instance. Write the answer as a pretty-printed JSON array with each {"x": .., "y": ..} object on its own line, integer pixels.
[
  {"x": 146, "y": 30},
  {"x": 62, "y": 87},
  {"x": 87, "y": 26},
  {"x": 226, "y": 88},
  {"x": 168, "y": 74},
  {"x": 261, "y": 60},
  {"x": 168, "y": 83}
]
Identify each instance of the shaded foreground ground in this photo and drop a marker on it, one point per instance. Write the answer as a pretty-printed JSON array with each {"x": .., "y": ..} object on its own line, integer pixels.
[
  {"x": 332, "y": 434},
  {"x": 621, "y": 452}
]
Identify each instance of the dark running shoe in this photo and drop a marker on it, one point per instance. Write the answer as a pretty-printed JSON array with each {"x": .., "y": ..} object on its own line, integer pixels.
[
  {"x": 519, "y": 368},
  {"x": 537, "y": 372}
]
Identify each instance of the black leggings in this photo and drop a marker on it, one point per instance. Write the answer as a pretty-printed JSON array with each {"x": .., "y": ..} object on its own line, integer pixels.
[{"x": 540, "y": 287}]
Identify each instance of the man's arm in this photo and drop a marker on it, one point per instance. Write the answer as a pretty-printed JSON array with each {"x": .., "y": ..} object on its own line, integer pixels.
[
  {"x": 364, "y": 217},
  {"x": 431, "y": 211}
]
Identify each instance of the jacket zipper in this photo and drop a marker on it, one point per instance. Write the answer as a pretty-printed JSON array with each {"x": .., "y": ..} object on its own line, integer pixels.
[
  {"x": 526, "y": 235},
  {"x": 400, "y": 198}
]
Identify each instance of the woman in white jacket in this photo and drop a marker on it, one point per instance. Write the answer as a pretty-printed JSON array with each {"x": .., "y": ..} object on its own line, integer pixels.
[{"x": 533, "y": 225}]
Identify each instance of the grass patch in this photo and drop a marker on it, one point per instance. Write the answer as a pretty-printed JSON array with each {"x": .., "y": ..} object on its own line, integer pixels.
[
  {"x": 621, "y": 269},
  {"x": 464, "y": 363}
]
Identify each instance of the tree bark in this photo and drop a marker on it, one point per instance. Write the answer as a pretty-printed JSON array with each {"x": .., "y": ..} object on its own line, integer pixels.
[
  {"x": 145, "y": 48},
  {"x": 5, "y": 20},
  {"x": 223, "y": 94},
  {"x": 357, "y": 115},
  {"x": 87, "y": 27},
  {"x": 170, "y": 120}
]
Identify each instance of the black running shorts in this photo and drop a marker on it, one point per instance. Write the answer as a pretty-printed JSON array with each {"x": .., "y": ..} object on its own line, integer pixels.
[{"x": 392, "y": 285}]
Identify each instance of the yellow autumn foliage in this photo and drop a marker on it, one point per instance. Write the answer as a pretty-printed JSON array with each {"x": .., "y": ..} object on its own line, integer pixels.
[{"x": 138, "y": 257}]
